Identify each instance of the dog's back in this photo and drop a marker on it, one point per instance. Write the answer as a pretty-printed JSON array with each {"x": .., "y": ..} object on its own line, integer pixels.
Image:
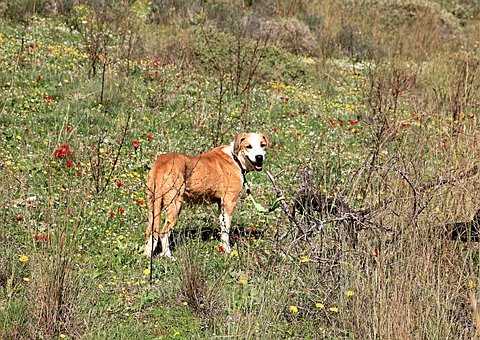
[
  {"x": 167, "y": 174},
  {"x": 210, "y": 175}
]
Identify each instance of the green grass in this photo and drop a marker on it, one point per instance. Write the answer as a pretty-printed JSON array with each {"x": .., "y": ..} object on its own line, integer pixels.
[{"x": 316, "y": 113}]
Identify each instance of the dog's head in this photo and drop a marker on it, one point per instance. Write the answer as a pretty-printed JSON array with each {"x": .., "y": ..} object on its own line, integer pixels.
[{"x": 250, "y": 149}]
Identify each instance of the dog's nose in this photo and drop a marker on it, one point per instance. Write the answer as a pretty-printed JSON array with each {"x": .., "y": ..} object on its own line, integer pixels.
[{"x": 259, "y": 158}]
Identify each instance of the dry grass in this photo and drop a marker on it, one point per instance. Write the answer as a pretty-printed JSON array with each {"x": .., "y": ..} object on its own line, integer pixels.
[
  {"x": 475, "y": 312},
  {"x": 54, "y": 296}
]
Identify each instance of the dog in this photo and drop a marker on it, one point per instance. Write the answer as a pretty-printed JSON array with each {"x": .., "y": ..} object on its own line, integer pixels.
[{"x": 215, "y": 176}]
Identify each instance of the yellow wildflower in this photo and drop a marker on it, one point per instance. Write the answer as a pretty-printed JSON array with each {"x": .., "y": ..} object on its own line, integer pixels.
[
  {"x": 26, "y": 279},
  {"x": 304, "y": 259},
  {"x": 333, "y": 309},
  {"x": 243, "y": 279},
  {"x": 293, "y": 309},
  {"x": 319, "y": 305},
  {"x": 146, "y": 271},
  {"x": 472, "y": 284},
  {"x": 23, "y": 258},
  {"x": 349, "y": 293},
  {"x": 234, "y": 253}
]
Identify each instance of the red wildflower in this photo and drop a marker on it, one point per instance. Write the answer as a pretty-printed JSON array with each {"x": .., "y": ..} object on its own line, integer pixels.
[
  {"x": 221, "y": 248},
  {"x": 48, "y": 99},
  {"x": 63, "y": 151},
  {"x": 41, "y": 237},
  {"x": 112, "y": 214},
  {"x": 140, "y": 202},
  {"x": 150, "y": 136},
  {"x": 119, "y": 183},
  {"x": 353, "y": 122},
  {"x": 69, "y": 163},
  {"x": 121, "y": 211},
  {"x": 135, "y": 144}
]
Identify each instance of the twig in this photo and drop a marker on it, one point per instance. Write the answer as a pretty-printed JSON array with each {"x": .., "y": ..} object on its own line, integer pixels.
[
  {"x": 415, "y": 212},
  {"x": 152, "y": 237},
  {"x": 117, "y": 156},
  {"x": 103, "y": 77},
  {"x": 473, "y": 171},
  {"x": 284, "y": 205}
]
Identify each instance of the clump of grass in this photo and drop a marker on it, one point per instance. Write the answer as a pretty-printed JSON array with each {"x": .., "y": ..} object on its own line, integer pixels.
[
  {"x": 203, "y": 297},
  {"x": 54, "y": 293}
]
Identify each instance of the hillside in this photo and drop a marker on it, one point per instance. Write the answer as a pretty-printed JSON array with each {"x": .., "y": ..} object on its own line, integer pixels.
[{"x": 372, "y": 111}]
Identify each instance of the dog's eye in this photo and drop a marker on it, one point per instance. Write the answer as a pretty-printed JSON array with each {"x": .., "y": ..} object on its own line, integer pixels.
[
  {"x": 249, "y": 146},
  {"x": 263, "y": 145}
]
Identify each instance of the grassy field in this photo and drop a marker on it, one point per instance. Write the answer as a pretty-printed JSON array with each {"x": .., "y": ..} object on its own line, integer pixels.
[{"x": 373, "y": 104}]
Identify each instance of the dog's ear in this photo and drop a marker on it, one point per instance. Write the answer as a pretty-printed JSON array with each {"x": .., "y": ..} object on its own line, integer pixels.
[
  {"x": 239, "y": 138},
  {"x": 264, "y": 140}
]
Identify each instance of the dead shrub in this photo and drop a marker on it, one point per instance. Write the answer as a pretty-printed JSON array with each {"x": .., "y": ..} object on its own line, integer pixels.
[
  {"x": 290, "y": 33},
  {"x": 314, "y": 209}
]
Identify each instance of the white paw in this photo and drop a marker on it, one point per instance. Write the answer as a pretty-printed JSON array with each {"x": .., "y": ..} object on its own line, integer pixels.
[
  {"x": 168, "y": 255},
  {"x": 226, "y": 248}
]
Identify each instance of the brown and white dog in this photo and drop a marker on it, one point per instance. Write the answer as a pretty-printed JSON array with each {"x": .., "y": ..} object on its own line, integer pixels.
[{"x": 217, "y": 176}]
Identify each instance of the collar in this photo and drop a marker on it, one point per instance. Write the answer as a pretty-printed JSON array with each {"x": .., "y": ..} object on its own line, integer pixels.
[{"x": 243, "y": 171}]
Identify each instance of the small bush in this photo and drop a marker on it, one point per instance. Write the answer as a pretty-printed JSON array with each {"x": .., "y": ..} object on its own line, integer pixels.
[{"x": 290, "y": 33}]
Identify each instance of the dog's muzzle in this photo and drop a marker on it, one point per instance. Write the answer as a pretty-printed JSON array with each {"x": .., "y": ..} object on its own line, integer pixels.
[{"x": 258, "y": 163}]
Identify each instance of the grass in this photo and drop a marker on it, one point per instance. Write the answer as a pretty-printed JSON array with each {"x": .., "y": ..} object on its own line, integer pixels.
[{"x": 389, "y": 129}]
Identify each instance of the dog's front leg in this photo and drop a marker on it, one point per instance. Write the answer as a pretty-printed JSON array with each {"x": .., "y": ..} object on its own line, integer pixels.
[
  {"x": 166, "y": 245},
  {"x": 225, "y": 222}
]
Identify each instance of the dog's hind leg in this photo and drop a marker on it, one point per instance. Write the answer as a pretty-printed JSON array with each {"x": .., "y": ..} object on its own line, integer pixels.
[
  {"x": 173, "y": 210},
  {"x": 152, "y": 228}
]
